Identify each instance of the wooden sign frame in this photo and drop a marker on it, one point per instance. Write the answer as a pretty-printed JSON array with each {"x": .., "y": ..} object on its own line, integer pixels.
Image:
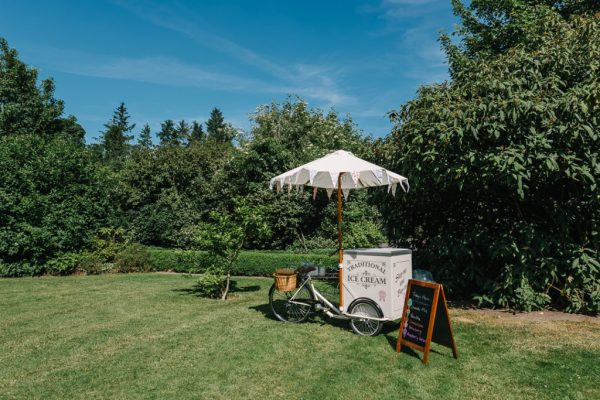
[{"x": 439, "y": 298}]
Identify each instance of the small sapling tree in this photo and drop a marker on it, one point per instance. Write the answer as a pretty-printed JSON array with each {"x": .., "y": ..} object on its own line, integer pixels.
[{"x": 224, "y": 238}]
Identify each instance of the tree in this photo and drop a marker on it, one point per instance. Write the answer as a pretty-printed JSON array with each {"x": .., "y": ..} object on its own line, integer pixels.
[
  {"x": 504, "y": 169},
  {"x": 182, "y": 133},
  {"x": 70, "y": 128},
  {"x": 217, "y": 129},
  {"x": 54, "y": 198},
  {"x": 215, "y": 124},
  {"x": 114, "y": 143},
  {"x": 25, "y": 106},
  {"x": 115, "y": 139},
  {"x": 121, "y": 119},
  {"x": 167, "y": 191},
  {"x": 197, "y": 135},
  {"x": 492, "y": 27},
  {"x": 167, "y": 132},
  {"x": 284, "y": 136},
  {"x": 224, "y": 237},
  {"x": 145, "y": 139}
]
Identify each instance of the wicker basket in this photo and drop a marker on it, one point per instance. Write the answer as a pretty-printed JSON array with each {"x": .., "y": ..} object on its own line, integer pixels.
[{"x": 285, "y": 280}]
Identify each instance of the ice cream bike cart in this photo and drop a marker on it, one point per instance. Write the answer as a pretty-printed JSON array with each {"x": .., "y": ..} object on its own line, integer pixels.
[
  {"x": 372, "y": 282},
  {"x": 374, "y": 287}
]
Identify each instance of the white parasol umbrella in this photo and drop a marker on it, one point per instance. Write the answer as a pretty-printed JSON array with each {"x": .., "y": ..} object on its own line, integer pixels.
[{"x": 341, "y": 171}]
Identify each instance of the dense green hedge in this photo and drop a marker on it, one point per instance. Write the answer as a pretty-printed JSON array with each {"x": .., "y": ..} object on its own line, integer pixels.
[
  {"x": 135, "y": 258},
  {"x": 252, "y": 263}
]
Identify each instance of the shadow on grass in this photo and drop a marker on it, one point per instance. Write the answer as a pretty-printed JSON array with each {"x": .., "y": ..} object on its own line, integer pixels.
[
  {"x": 265, "y": 309},
  {"x": 313, "y": 318},
  {"x": 321, "y": 319},
  {"x": 233, "y": 288},
  {"x": 390, "y": 327},
  {"x": 393, "y": 341}
]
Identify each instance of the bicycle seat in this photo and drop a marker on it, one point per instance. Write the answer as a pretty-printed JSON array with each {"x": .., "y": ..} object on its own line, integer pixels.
[{"x": 305, "y": 270}]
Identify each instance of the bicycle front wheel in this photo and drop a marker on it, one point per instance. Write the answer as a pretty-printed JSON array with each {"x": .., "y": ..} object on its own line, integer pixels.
[
  {"x": 365, "y": 326},
  {"x": 290, "y": 311}
]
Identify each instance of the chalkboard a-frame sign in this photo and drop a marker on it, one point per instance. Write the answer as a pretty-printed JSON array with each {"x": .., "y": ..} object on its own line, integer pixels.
[{"x": 425, "y": 319}]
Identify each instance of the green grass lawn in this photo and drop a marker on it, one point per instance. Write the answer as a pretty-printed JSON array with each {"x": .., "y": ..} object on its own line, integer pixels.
[{"x": 144, "y": 336}]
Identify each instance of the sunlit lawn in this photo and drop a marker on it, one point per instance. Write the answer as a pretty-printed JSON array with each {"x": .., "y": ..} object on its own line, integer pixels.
[{"x": 144, "y": 336}]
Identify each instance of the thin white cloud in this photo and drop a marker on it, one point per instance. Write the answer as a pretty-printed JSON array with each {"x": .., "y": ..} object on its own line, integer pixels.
[
  {"x": 156, "y": 70},
  {"x": 310, "y": 80},
  {"x": 173, "y": 72},
  {"x": 163, "y": 17},
  {"x": 417, "y": 49},
  {"x": 398, "y": 10},
  {"x": 332, "y": 98},
  {"x": 423, "y": 42}
]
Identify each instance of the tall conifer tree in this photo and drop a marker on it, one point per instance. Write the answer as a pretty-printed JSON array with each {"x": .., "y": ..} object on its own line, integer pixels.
[
  {"x": 145, "y": 139},
  {"x": 182, "y": 133},
  {"x": 115, "y": 139},
  {"x": 217, "y": 129},
  {"x": 197, "y": 134},
  {"x": 215, "y": 126},
  {"x": 167, "y": 132}
]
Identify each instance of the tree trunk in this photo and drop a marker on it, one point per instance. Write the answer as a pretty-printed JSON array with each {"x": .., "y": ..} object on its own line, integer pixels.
[
  {"x": 224, "y": 297},
  {"x": 301, "y": 237},
  {"x": 231, "y": 261}
]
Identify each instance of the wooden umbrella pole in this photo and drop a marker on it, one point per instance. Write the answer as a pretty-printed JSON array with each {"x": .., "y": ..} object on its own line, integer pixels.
[{"x": 340, "y": 251}]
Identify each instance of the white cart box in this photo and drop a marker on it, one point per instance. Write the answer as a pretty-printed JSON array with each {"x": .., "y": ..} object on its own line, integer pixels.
[{"x": 378, "y": 274}]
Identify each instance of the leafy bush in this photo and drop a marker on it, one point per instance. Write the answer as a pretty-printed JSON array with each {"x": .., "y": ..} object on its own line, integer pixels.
[
  {"x": 64, "y": 264},
  {"x": 504, "y": 167},
  {"x": 527, "y": 299},
  {"x": 169, "y": 189},
  {"x": 210, "y": 285},
  {"x": 313, "y": 243},
  {"x": 133, "y": 258},
  {"x": 13, "y": 270},
  {"x": 361, "y": 225},
  {"x": 93, "y": 264},
  {"x": 108, "y": 242},
  {"x": 52, "y": 199},
  {"x": 366, "y": 233}
]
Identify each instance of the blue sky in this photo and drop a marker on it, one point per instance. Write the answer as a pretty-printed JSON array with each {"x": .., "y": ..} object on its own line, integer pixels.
[{"x": 180, "y": 59}]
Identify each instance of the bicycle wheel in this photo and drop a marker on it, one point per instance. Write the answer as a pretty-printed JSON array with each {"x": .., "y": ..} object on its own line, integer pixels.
[
  {"x": 286, "y": 311},
  {"x": 364, "y": 326}
]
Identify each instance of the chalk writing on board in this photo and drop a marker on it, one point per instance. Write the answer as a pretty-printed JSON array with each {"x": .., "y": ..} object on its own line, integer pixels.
[
  {"x": 417, "y": 315},
  {"x": 425, "y": 319}
]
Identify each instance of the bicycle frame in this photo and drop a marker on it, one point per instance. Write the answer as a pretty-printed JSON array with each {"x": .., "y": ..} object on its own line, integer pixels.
[{"x": 331, "y": 310}]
